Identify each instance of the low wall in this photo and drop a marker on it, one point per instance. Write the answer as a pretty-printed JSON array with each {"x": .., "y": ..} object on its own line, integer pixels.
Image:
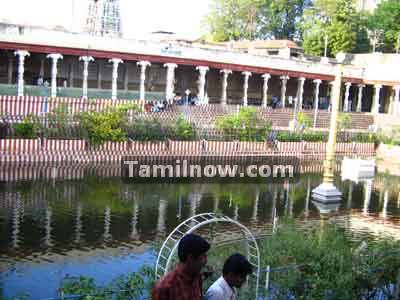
[{"x": 36, "y": 150}]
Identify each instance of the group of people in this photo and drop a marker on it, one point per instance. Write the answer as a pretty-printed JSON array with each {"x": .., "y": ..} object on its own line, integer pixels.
[
  {"x": 186, "y": 280},
  {"x": 186, "y": 99},
  {"x": 155, "y": 106}
]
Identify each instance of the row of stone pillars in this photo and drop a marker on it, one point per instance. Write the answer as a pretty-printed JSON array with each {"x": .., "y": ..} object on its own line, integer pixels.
[{"x": 170, "y": 76}]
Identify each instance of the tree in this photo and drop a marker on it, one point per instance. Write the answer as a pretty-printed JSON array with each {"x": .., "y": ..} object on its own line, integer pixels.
[
  {"x": 340, "y": 22},
  {"x": 255, "y": 19},
  {"x": 386, "y": 18},
  {"x": 232, "y": 20},
  {"x": 280, "y": 19}
]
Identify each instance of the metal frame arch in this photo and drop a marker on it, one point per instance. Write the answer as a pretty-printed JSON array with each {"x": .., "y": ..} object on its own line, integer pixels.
[{"x": 190, "y": 225}]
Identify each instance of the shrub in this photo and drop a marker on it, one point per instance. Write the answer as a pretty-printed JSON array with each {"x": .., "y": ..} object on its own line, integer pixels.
[
  {"x": 244, "y": 126},
  {"x": 183, "y": 129},
  {"x": 107, "y": 125},
  {"x": 29, "y": 128},
  {"x": 142, "y": 129},
  {"x": 304, "y": 121}
]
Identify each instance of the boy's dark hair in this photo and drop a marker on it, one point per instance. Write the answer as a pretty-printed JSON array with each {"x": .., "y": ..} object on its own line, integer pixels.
[
  {"x": 192, "y": 244},
  {"x": 237, "y": 264}
]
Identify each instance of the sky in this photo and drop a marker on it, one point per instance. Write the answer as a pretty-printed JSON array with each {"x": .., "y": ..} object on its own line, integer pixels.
[{"x": 139, "y": 17}]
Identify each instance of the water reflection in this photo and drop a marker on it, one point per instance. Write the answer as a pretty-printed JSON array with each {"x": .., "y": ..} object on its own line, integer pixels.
[{"x": 84, "y": 223}]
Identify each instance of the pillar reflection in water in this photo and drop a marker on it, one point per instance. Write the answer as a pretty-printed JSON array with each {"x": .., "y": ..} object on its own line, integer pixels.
[
  {"x": 350, "y": 195},
  {"x": 135, "y": 220},
  {"x": 307, "y": 204},
  {"x": 78, "y": 224},
  {"x": 385, "y": 204},
  {"x": 255, "y": 207},
  {"x": 107, "y": 224},
  {"x": 216, "y": 204},
  {"x": 367, "y": 196},
  {"x": 47, "y": 227},
  {"x": 194, "y": 201},
  {"x": 236, "y": 212},
  {"x": 274, "y": 198},
  {"x": 16, "y": 221},
  {"x": 179, "y": 212},
  {"x": 162, "y": 214}
]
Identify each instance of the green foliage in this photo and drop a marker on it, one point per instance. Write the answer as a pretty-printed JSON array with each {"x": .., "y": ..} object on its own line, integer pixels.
[
  {"x": 255, "y": 19},
  {"x": 386, "y": 18},
  {"x": 326, "y": 263},
  {"x": 142, "y": 129},
  {"x": 390, "y": 136},
  {"x": 281, "y": 19},
  {"x": 284, "y": 136},
  {"x": 106, "y": 125},
  {"x": 29, "y": 128},
  {"x": 339, "y": 20},
  {"x": 244, "y": 126},
  {"x": 344, "y": 121},
  {"x": 131, "y": 286},
  {"x": 232, "y": 19},
  {"x": 183, "y": 130},
  {"x": 303, "y": 120}
]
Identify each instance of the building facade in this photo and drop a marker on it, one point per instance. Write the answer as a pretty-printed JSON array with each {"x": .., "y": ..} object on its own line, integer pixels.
[{"x": 217, "y": 74}]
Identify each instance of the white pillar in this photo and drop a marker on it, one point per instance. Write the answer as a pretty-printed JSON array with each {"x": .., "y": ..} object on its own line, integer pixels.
[
  {"x": 346, "y": 107},
  {"x": 201, "y": 82},
  {"x": 375, "y": 103},
  {"x": 169, "y": 85},
  {"x": 86, "y": 60},
  {"x": 397, "y": 100},
  {"x": 300, "y": 90},
  {"x": 266, "y": 77},
  {"x": 225, "y": 74},
  {"x": 283, "y": 89},
  {"x": 245, "y": 86},
  {"x": 54, "y": 58},
  {"x": 21, "y": 60},
  {"x": 115, "y": 62},
  {"x": 360, "y": 96},
  {"x": 143, "y": 64},
  {"x": 316, "y": 100}
]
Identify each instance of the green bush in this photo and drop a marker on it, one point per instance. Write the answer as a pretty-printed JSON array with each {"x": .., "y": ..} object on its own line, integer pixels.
[
  {"x": 183, "y": 130},
  {"x": 107, "y": 125},
  {"x": 285, "y": 136},
  {"x": 142, "y": 129},
  {"x": 328, "y": 264},
  {"x": 29, "y": 128},
  {"x": 303, "y": 120},
  {"x": 315, "y": 137},
  {"x": 244, "y": 126}
]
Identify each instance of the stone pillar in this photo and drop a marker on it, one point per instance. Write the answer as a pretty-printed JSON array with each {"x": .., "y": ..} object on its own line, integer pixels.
[
  {"x": 71, "y": 74},
  {"x": 360, "y": 95},
  {"x": 397, "y": 100},
  {"x": 86, "y": 60},
  {"x": 266, "y": 77},
  {"x": 10, "y": 69},
  {"x": 201, "y": 82},
  {"x": 54, "y": 58},
  {"x": 99, "y": 70},
  {"x": 126, "y": 77},
  {"x": 143, "y": 64},
  {"x": 283, "y": 89},
  {"x": 375, "y": 102},
  {"x": 346, "y": 107},
  {"x": 245, "y": 86},
  {"x": 300, "y": 90},
  {"x": 21, "y": 60},
  {"x": 316, "y": 100},
  {"x": 225, "y": 74},
  {"x": 114, "y": 87},
  {"x": 41, "y": 70},
  {"x": 169, "y": 85}
]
